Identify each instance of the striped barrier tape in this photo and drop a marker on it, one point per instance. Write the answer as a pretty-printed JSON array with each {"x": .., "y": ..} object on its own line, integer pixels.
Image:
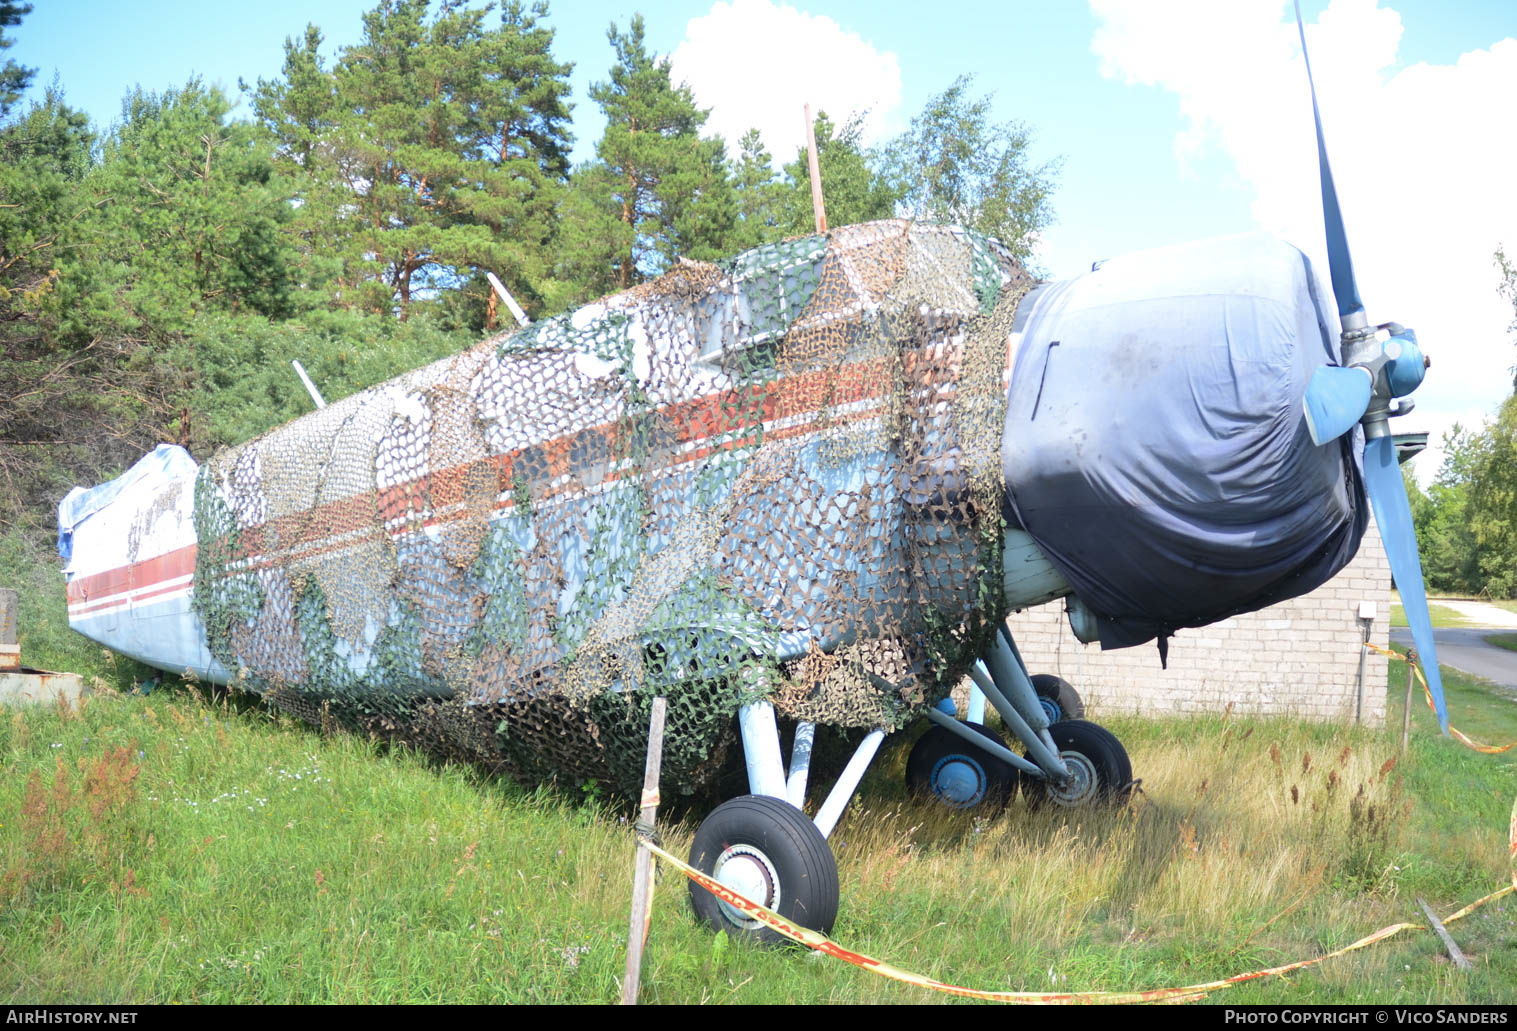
[
  {"x": 1189, "y": 993},
  {"x": 1454, "y": 731}
]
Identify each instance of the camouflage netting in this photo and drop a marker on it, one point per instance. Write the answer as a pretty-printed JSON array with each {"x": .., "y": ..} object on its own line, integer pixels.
[{"x": 775, "y": 478}]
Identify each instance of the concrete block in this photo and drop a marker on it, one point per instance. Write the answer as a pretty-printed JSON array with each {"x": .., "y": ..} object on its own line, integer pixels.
[{"x": 39, "y": 687}]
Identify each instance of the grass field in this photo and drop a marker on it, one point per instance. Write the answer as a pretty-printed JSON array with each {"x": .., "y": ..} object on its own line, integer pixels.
[
  {"x": 1441, "y": 615},
  {"x": 1450, "y": 617},
  {"x": 171, "y": 849},
  {"x": 1507, "y": 641}
]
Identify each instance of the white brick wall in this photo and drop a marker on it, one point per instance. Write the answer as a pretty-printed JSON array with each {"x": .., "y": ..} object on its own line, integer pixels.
[{"x": 1298, "y": 658}]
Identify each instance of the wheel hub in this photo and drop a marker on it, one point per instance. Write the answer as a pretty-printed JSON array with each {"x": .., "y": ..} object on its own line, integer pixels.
[
  {"x": 959, "y": 781},
  {"x": 1083, "y": 783},
  {"x": 1051, "y": 709},
  {"x": 750, "y": 873}
]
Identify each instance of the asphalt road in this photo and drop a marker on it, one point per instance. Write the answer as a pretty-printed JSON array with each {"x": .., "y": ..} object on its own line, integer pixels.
[{"x": 1466, "y": 650}]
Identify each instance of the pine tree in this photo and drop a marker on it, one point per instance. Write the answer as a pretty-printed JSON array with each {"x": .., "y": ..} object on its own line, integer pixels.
[
  {"x": 670, "y": 184},
  {"x": 110, "y": 254},
  {"x": 592, "y": 235},
  {"x": 45, "y": 374},
  {"x": 436, "y": 148},
  {"x": 529, "y": 112},
  {"x": 758, "y": 194},
  {"x": 525, "y": 112},
  {"x": 14, "y": 79},
  {"x": 193, "y": 210}
]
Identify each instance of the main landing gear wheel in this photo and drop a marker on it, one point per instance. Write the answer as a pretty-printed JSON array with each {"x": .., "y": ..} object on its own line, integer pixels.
[
  {"x": 1102, "y": 772},
  {"x": 944, "y": 766},
  {"x": 767, "y": 850},
  {"x": 1058, "y": 697}
]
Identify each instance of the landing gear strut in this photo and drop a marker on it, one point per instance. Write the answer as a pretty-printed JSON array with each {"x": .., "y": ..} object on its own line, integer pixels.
[
  {"x": 1069, "y": 761},
  {"x": 1098, "y": 765},
  {"x": 762, "y": 846}
]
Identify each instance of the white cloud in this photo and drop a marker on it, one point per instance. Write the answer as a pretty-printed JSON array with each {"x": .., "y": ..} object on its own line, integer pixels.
[
  {"x": 755, "y": 63},
  {"x": 1423, "y": 157}
]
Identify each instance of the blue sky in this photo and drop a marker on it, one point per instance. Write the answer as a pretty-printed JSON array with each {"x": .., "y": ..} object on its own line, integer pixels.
[{"x": 1172, "y": 120}]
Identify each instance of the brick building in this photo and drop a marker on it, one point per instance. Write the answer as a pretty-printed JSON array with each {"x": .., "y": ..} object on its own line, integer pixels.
[{"x": 1298, "y": 658}]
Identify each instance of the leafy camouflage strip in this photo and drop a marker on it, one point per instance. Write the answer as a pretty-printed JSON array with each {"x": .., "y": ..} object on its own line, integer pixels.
[{"x": 771, "y": 478}]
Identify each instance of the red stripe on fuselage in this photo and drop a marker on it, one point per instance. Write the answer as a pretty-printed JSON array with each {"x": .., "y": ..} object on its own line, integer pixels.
[
  {"x": 97, "y": 587},
  {"x": 697, "y": 419}
]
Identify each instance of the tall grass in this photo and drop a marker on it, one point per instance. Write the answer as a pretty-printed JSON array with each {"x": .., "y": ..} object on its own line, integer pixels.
[
  {"x": 181, "y": 848},
  {"x": 34, "y": 571}
]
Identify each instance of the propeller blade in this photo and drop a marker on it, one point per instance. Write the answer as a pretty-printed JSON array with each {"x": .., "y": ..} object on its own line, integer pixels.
[
  {"x": 1341, "y": 266},
  {"x": 1387, "y": 492},
  {"x": 1336, "y": 399}
]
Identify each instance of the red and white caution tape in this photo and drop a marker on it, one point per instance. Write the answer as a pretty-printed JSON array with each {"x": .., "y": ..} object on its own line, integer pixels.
[
  {"x": 1189, "y": 993},
  {"x": 1454, "y": 731}
]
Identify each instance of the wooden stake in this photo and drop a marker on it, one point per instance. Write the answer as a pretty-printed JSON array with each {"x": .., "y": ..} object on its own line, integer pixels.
[
  {"x": 642, "y": 878},
  {"x": 818, "y": 212},
  {"x": 1406, "y": 711},
  {"x": 1448, "y": 941}
]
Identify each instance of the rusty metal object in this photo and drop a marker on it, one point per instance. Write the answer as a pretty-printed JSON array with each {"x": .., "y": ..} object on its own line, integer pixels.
[
  {"x": 40, "y": 687},
  {"x": 10, "y": 646}
]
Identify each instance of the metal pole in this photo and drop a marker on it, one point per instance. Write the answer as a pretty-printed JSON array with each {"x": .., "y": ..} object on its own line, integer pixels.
[
  {"x": 976, "y": 712},
  {"x": 842, "y": 792},
  {"x": 817, "y": 210},
  {"x": 761, "y": 750},
  {"x": 310, "y": 387},
  {"x": 1363, "y": 654},
  {"x": 642, "y": 878},
  {"x": 984, "y": 744},
  {"x": 800, "y": 763},
  {"x": 505, "y": 295},
  {"x": 10, "y": 633},
  {"x": 1046, "y": 757}
]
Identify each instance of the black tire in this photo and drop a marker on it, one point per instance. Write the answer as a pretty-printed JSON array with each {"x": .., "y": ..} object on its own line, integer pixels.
[
  {"x": 1060, "y": 700},
  {"x": 769, "y": 843},
  {"x": 1103, "y": 774},
  {"x": 944, "y": 767}
]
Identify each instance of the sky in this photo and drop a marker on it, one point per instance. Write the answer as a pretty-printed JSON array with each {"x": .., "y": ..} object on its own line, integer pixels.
[{"x": 1167, "y": 120}]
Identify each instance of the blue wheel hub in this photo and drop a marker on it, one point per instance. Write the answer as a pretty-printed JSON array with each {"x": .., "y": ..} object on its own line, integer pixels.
[
  {"x": 959, "y": 781},
  {"x": 1051, "y": 709}
]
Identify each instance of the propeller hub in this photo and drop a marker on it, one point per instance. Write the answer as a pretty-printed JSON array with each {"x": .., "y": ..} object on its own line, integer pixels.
[
  {"x": 1407, "y": 364},
  {"x": 1358, "y": 345},
  {"x": 1391, "y": 368}
]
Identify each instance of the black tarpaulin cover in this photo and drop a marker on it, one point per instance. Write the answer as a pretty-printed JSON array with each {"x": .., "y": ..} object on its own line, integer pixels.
[{"x": 1155, "y": 446}]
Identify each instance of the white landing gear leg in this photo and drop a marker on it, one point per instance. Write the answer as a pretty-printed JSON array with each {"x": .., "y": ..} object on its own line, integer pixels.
[{"x": 762, "y": 846}]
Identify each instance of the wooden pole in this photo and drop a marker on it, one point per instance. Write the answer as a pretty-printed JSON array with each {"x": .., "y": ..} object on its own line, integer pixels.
[
  {"x": 818, "y": 212},
  {"x": 1406, "y": 711},
  {"x": 642, "y": 878},
  {"x": 1448, "y": 941}
]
